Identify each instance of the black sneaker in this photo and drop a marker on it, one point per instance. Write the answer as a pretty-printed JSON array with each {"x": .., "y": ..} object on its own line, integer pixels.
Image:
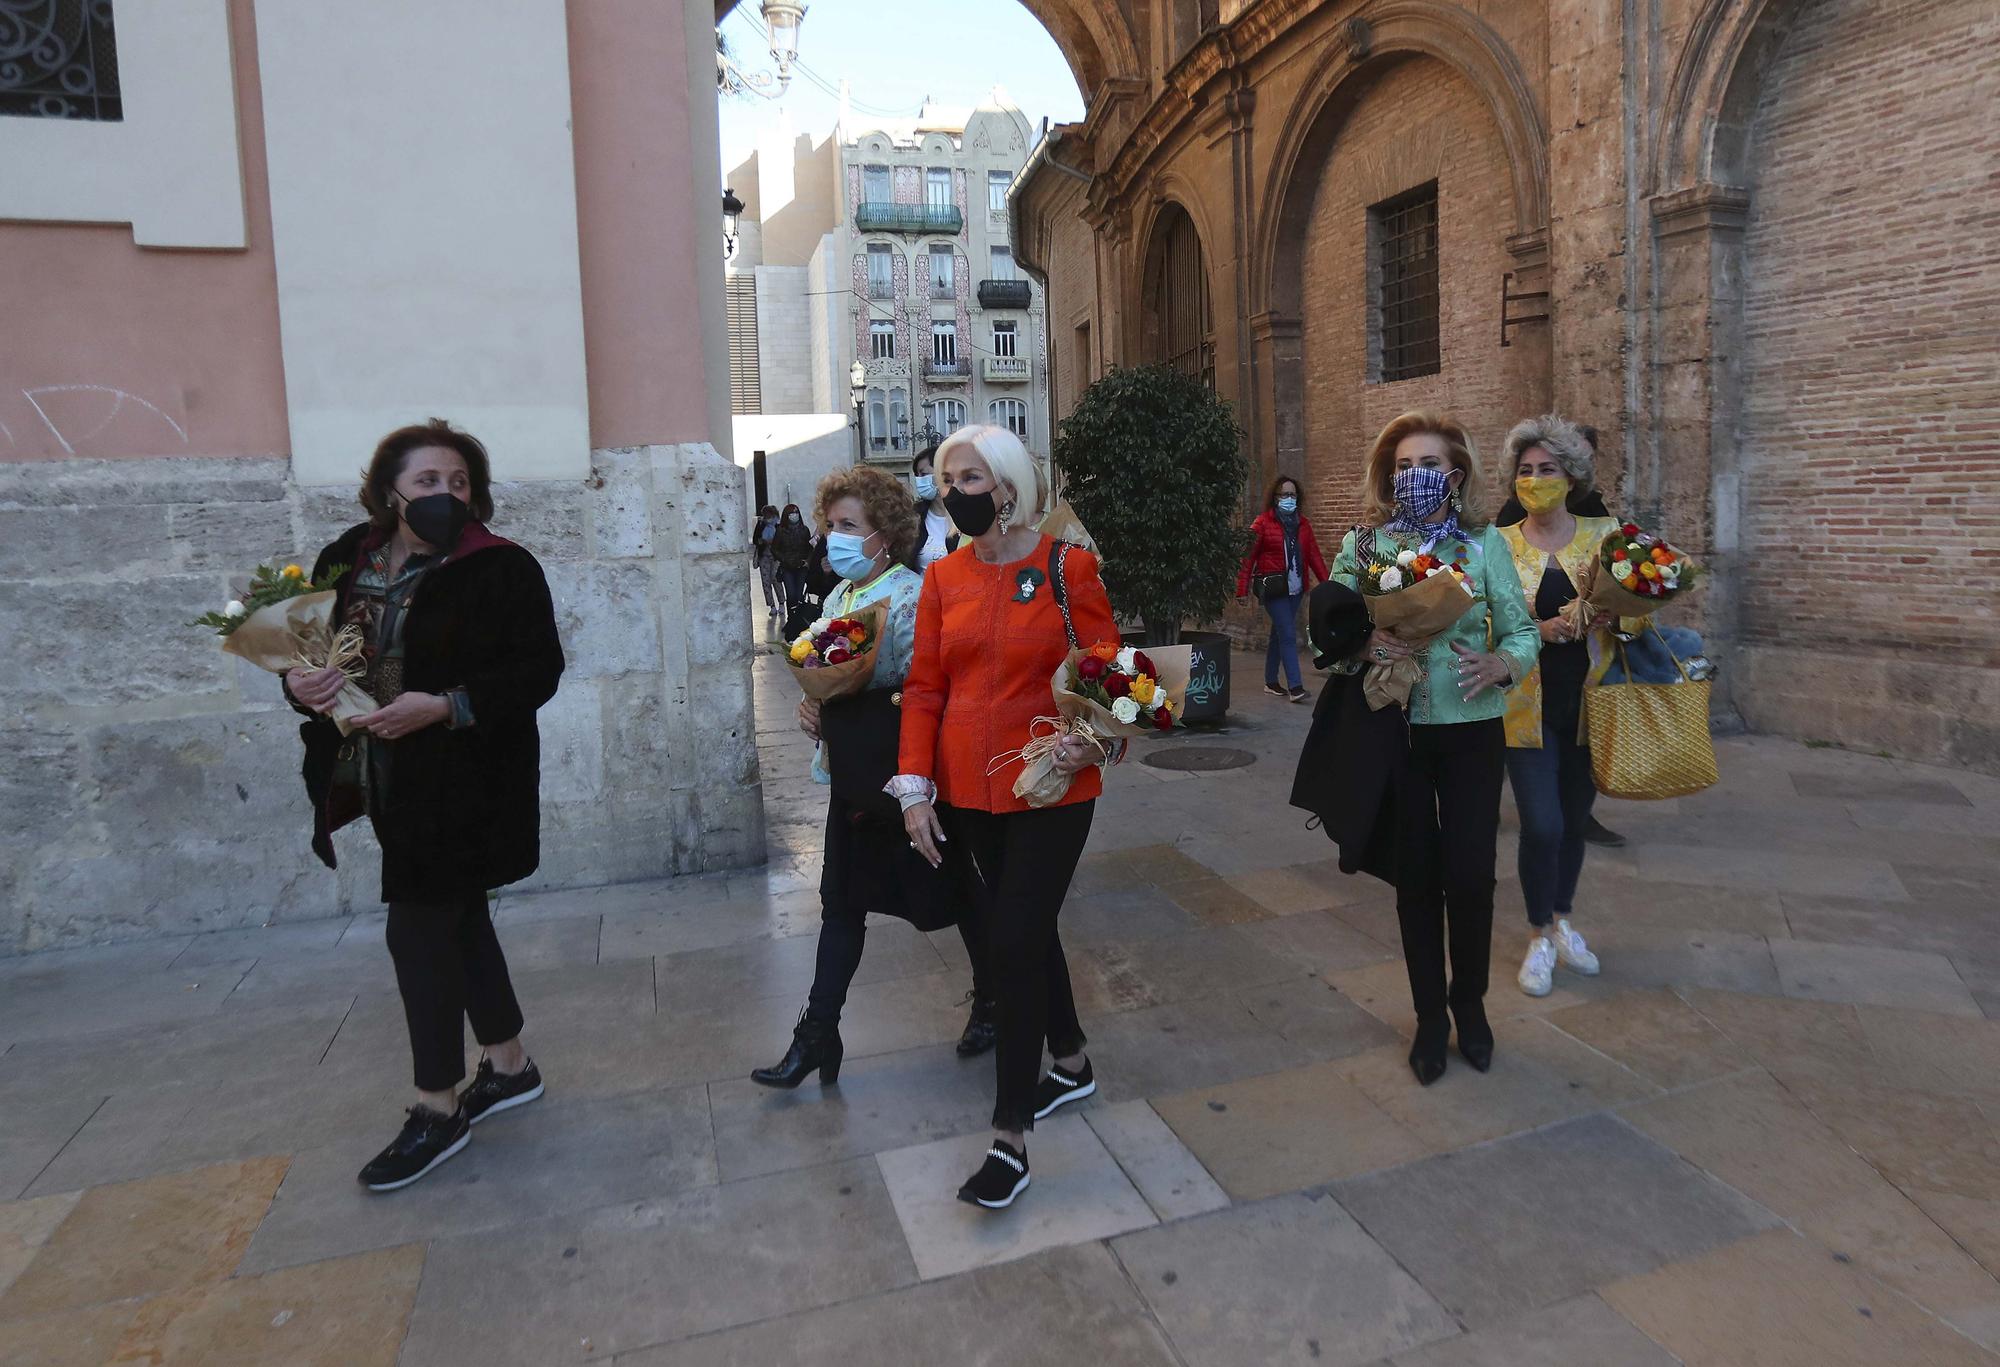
[
  {"x": 1597, "y": 833},
  {"x": 1300, "y": 695},
  {"x": 426, "y": 1141},
  {"x": 1002, "y": 1177},
  {"x": 1059, "y": 1088},
  {"x": 1275, "y": 691},
  {"x": 491, "y": 1092}
]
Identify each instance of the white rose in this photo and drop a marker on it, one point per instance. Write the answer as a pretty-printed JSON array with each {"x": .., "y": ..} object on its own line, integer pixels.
[
  {"x": 1126, "y": 709},
  {"x": 1622, "y": 568},
  {"x": 1405, "y": 557},
  {"x": 820, "y": 627},
  {"x": 1391, "y": 578},
  {"x": 1128, "y": 660},
  {"x": 234, "y": 609}
]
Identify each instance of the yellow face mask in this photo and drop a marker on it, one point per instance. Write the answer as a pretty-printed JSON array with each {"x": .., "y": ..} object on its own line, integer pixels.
[{"x": 1541, "y": 493}]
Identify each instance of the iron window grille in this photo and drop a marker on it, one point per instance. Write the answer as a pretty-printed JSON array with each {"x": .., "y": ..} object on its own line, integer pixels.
[
  {"x": 1403, "y": 240},
  {"x": 59, "y": 60}
]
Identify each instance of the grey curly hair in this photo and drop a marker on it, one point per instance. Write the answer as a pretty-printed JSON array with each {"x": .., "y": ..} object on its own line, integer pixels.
[{"x": 1562, "y": 439}]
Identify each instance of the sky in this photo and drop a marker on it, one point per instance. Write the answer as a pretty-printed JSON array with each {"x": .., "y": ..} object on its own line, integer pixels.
[{"x": 894, "y": 53}]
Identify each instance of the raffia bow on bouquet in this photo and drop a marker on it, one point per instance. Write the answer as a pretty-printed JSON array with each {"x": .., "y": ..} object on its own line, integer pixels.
[
  {"x": 1096, "y": 693},
  {"x": 298, "y": 633}
]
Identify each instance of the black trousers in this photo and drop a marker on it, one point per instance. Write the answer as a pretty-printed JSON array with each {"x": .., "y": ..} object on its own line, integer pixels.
[
  {"x": 843, "y": 934},
  {"x": 1447, "y": 827},
  {"x": 1019, "y": 866},
  {"x": 449, "y": 967}
]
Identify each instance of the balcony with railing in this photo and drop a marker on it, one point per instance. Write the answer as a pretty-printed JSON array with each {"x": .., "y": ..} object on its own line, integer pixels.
[
  {"x": 1004, "y": 369},
  {"x": 875, "y": 217},
  {"x": 947, "y": 372},
  {"x": 1004, "y": 294}
]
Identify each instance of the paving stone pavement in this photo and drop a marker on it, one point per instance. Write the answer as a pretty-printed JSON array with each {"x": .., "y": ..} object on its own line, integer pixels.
[{"x": 1769, "y": 1132}]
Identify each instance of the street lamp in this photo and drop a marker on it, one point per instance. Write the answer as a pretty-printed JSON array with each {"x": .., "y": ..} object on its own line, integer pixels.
[
  {"x": 857, "y": 388},
  {"x": 782, "y": 19},
  {"x": 732, "y": 215}
]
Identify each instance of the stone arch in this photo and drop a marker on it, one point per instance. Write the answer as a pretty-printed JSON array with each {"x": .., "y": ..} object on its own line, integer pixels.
[
  {"x": 1378, "y": 37},
  {"x": 1171, "y": 221},
  {"x": 1712, "y": 93},
  {"x": 1095, "y": 38}
]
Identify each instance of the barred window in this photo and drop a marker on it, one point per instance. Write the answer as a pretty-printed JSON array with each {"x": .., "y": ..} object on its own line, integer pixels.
[
  {"x": 1178, "y": 326},
  {"x": 1403, "y": 249},
  {"x": 59, "y": 60}
]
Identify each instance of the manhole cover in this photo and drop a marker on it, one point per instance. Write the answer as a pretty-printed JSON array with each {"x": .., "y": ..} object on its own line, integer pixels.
[{"x": 1202, "y": 758}]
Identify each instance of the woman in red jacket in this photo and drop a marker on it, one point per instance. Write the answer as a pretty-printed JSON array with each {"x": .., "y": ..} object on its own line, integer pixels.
[
  {"x": 1282, "y": 550},
  {"x": 995, "y": 619}
]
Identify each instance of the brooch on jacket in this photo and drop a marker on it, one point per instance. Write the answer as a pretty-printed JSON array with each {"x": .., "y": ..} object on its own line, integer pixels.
[{"x": 1026, "y": 583}]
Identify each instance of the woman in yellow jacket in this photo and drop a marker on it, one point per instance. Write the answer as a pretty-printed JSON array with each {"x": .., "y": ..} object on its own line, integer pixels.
[{"x": 1548, "y": 462}]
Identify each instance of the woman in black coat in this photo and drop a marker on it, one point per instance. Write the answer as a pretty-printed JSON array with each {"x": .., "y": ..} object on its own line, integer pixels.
[
  {"x": 461, "y": 649},
  {"x": 793, "y": 547}
]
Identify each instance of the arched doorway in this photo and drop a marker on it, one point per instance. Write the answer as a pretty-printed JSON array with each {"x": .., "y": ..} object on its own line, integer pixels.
[{"x": 1176, "y": 326}]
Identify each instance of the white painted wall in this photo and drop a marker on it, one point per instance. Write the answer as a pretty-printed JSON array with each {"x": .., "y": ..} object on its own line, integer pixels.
[
  {"x": 171, "y": 167},
  {"x": 800, "y": 450},
  {"x": 423, "y": 204},
  {"x": 784, "y": 339}
]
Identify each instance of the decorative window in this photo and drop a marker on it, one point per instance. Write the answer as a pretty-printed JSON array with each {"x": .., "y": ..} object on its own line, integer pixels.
[
  {"x": 899, "y": 418},
  {"x": 946, "y": 416},
  {"x": 1003, "y": 339},
  {"x": 996, "y": 192},
  {"x": 59, "y": 60},
  {"x": 1178, "y": 331},
  {"x": 882, "y": 339},
  {"x": 944, "y": 276},
  {"x": 1403, "y": 250},
  {"x": 881, "y": 272},
  {"x": 1011, "y": 414},
  {"x": 879, "y": 429},
  {"x": 937, "y": 187},
  {"x": 944, "y": 343},
  {"x": 1002, "y": 264},
  {"x": 875, "y": 185}
]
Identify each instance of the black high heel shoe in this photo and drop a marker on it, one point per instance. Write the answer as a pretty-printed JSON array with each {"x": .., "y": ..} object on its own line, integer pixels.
[
  {"x": 815, "y": 1044},
  {"x": 1427, "y": 1054},
  {"x": 1475, "y": 1036},
  {"x": 982, "y": 1031}
]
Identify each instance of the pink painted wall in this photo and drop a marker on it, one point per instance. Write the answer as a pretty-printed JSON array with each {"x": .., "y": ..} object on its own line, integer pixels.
[
  {"x": 642, "y": 329},
  {"x": 114, "y": 351}
]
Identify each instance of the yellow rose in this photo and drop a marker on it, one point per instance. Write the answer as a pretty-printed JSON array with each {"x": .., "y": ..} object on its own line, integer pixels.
[
  {"x": 1649, "y": 569},
  {"x": 294, "y": 572},
  {"x": 1376, "y": 569},
  {"x": 800, "y": 649},
  {"x": 1142, "y": 689}
]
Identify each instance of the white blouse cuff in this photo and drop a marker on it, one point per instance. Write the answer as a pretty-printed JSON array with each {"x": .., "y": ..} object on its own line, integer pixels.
[{"x": 911, "y": 789}]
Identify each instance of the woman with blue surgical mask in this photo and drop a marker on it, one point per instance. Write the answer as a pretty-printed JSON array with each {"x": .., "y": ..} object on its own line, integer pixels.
[
  {"x": 1283, "y": 553},
  {"x": 936, "y": 537},
  {"x": 871, "y": 528}
]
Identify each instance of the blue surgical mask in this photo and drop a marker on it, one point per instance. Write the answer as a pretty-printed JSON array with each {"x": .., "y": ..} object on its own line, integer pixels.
[
  {"x": 844, "y": 552},
  {"x": 926, "y": 487},
  {"x": 1288, "y": 505}
]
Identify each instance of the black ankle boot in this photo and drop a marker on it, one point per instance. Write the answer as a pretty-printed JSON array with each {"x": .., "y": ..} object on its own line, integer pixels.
[
  {"x": 1427, "y": 1054},
  {"x": 1475, "y": 1036},
  {"x": 982, "y": 1031},
  {"x": 815, "y": 1044}
]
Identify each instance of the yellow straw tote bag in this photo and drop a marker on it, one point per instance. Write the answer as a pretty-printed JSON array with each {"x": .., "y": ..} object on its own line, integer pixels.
[{"x": 1647, "y": 740}]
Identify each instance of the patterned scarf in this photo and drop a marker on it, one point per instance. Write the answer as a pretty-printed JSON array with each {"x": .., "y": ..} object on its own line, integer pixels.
[
  {"x": 1420, "y": 492},
  {"x": 1288, "y": 523}
]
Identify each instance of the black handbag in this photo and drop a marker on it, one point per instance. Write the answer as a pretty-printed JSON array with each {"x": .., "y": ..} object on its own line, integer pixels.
[
  {"x": 861, "y": 733},
  {"x": 1271, "y": 586}
]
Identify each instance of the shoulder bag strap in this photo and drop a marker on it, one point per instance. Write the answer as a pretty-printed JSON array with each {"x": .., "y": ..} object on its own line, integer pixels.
[{"x": 1058, "y": 553}]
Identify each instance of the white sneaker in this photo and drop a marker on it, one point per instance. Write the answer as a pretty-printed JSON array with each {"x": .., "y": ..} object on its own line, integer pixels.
[
  {"x": 1538, "y": 970},
  {"x": 1571, "y": 951}
]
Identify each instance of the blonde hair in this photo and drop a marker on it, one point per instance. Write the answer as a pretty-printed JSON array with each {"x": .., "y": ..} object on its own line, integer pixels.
[
  {"x": 883, "y": 499},
  {"x": 1008, "y": 462},
  {"x": 1378, "y": 472}
]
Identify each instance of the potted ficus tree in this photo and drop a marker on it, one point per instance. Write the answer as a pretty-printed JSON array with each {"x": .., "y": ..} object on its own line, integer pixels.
[{"x": 1152, "y": 462}]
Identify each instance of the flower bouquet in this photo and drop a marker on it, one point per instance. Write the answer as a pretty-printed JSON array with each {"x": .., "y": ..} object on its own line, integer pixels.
[
  {"x": 1414, "y": 598},
  {"x": 1635, "y": 574},
  {"x": 284, "y": 621},
  {"x": 1102, "y": 693},
  {"x": 835, "y": 656}
]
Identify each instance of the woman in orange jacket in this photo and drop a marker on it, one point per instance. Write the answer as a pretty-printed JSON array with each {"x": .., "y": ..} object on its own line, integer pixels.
[
  {"x": 1282, "y": 551},
  {"x": 996, "y": 618}
]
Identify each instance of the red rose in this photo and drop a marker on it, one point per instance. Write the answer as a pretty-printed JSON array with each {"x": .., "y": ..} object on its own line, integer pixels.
[
  {"x": 1163, "y": 719},
  {"x": 1117, "y": 685},
  {"x": 1629, "y": 529},
  {"x": 839, "y": 655},
  {"x": 1144, "y": 665},
  {"x": 1619, "y": 555},
  {"x": 1090, "y": 667}
]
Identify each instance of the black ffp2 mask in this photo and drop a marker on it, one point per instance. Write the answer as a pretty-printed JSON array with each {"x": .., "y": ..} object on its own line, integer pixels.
[
  {"x": 971, "y": 513},
  {"x": 438, "y": 519}
]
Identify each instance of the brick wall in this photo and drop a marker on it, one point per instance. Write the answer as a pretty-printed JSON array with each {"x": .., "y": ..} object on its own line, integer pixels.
[
  {"x": 1419, "y": 122},
  {"x": 1871, "y": 419}
]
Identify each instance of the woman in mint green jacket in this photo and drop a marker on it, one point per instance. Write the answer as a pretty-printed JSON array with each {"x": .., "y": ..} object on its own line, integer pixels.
[{"x": 1421, "y": 493}]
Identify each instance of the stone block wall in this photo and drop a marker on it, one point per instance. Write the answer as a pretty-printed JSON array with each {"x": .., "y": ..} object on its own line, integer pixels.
[{"x": 149, "y": 783}]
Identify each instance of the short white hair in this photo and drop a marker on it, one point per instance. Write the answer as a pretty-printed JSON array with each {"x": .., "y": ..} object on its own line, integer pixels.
[{"x": 1009, "y": 463}]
